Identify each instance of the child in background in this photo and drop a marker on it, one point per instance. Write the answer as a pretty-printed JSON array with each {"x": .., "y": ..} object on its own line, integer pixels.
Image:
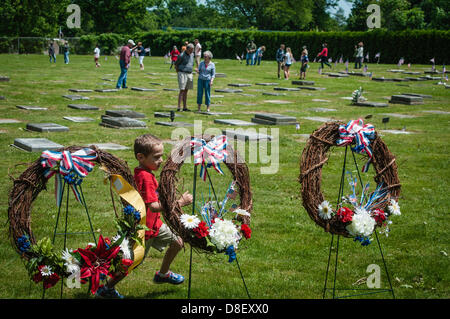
[
  {"x": 149, "y": 151},
  {"x": 174, "y": 55},
  {"x": 288, "y": 60},
  {"x": 259, "y": 54},
  {"x": 304, "y": 61},
  {"x": 96, "y": 56}
]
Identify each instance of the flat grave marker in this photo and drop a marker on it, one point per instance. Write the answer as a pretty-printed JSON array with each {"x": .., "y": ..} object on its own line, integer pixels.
[
  {"x": 125, "y": 113},
  {"x": 424, "y": 96},
  {"x": 285, "y": 89},
  {"x": 9, "y": 121},
  {"x": 274, "y": 93},
  {"x": 213, "y": 113},
  {"x": 107, "y": 90},
  {"x": 78, "y": 119},
  {"x": 311, "y": 88},
  {"x": 396, "y": 132},
  {"x": 246, "y": 135},
  {"x": 278, "y": 101},
  {"x": 302, "y": 82},
  {"x": 75, "y": 97},
  {"x": 122, "y": 122},
  {"x": 36, "y": 144},
  {"x": 80, "y": 90},
  {"x": 266, "y": 84},
  {"x": 4, "y": 78},
  {"x": 234, "y": 122},
  {"x": 401, "y": 116},
  {"x": 406, "y": 99},
  {"x": 165, "y": 114},
  {"x": 321, "y": 109},
  {"x": 435, "y": 112},
  {"x": 143, "y": 89},
  {"x": 46, "y": 127},
  {"x": 319, "y": 119},
  {"x": 175, "y": 124},
  {"x": 370, "y": 104},
  {"x": 273, "y": 119},
  {"x": 109, "y": 146},
  {"x": 31, "y": 108},
  {"x": 84, "y": 107},
  {"x": 320, "y": 100},
  {"x": 228, "y": 90}
]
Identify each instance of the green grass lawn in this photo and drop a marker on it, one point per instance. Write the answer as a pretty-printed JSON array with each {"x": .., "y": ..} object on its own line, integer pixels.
[{"x": 287, "y": 254}]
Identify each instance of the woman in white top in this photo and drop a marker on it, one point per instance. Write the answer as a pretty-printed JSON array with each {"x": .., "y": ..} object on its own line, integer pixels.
[
  {"x": 96, "y": 56},
  {"x": 288, "y": 60}
]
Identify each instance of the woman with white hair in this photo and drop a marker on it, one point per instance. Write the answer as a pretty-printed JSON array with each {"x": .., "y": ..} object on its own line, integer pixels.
[{"x": 206, "y": 74}]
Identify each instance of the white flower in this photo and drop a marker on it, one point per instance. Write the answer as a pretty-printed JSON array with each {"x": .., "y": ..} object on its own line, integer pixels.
[
  {"x": 362, "y": 223},
  {"x": 124, "y": 245},
  {"x": 394, "y": 208},
  {"x": 189, "y": 221},
  {"x": 71, "y": 263},
  {"x": 46, "y": 271},
  {"x": 223, "y": 234},
  {"x": 325, "y": 210},
  {"x": 241, "y": 212}
]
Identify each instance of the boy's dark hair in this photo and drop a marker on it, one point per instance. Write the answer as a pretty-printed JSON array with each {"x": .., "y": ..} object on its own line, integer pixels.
[{"x": 144, "y": 144}]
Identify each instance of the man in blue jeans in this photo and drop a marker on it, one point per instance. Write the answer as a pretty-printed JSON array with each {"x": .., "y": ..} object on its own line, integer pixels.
[
  {"x": 124, "y": 62},
  {"x": 251, "y": 50}
]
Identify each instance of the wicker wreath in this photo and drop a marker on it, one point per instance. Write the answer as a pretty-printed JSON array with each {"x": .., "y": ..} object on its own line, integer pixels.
[
  {"x": 32, "y": 181},
  {"x": 168, "y": 190},
  {"x": 314, "y": 156}
]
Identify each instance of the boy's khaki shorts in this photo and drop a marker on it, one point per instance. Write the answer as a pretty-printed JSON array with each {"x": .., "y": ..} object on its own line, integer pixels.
[{"x": 165, "y": 238}]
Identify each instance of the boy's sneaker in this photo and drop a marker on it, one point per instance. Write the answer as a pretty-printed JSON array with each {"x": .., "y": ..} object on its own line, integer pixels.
[
  {"x": 170, "y": 278},
  {"x": 108, "y": 293}
]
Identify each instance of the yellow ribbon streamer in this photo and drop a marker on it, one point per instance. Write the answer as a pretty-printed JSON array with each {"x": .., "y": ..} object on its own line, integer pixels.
[{"x": 132, "y": 197}]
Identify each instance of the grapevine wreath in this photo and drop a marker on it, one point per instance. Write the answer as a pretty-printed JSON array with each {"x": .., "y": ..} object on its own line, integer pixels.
[
  {"x": 200, "y": 232},
  {"x": 107, "y": 257},
  {"x": 360, "y": 220}
]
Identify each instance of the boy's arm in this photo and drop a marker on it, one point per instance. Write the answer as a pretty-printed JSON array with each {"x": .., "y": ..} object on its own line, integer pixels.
[{"x": 156, "y": 207}]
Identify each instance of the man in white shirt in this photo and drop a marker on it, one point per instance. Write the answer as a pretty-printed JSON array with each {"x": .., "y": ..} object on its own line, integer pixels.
[
  {"x": 96, "y": 56},
  {"x": 197, "y": 51}
]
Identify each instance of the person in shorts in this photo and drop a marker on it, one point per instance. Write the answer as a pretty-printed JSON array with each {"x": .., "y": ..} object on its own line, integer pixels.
[
  {"x": 97, "y": 56},
  {"x": 197, "y": 52},
  {"x": 141, "y": 53},
  {"x": 304, "y": 61},
  {"x": 149, "y": 151},
  {"x": 184, "y": 67}
]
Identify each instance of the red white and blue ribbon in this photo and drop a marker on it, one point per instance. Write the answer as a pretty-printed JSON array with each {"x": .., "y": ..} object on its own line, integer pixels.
[
  {"x": 209, "y": 154},
  {"x": 360, "y": 133},
  {"x": 62, "y": 164}
]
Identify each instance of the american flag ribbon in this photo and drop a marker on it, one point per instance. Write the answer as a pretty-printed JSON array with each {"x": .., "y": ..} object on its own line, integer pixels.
[
  {"x": 209, "y": 154},
  {"x": 63, "y": 164},
  {"x": 360, "y": 133}
]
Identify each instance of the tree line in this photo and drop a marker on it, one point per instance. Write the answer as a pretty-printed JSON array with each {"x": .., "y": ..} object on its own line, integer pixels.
[{"x": 47, "y": 17}]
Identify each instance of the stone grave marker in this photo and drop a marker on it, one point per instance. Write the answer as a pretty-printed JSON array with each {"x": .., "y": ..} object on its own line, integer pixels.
[
  {"x": 36, "y": 144},
  {"x": 245, "y": 103},
  {"x": 106, "y": 90},
  {"x": 356, "y": 73},
  {"x": 396, "y": 71},
  {"x": 321, "y": 109},
  {"x": 278, "y": 101},
  {"x": 400, "y": 79},
  {"x": 247, "y": 94},
  {"x": 401, "y": 116},
  {"x": 266, "y": 84},
  {"x": 382, "y": 79},
  {"x": 84, "y": 107},
  {"x": 125, "y": 113},
  {"x": 285, "y": 89},
  {"x": 320, "y": 100},
  {"x": 370, "y": 104},
  {"x": 246, "y": 135},
  {"x": 302, "y": 82},
  {"x": 169, "y": 89},
  {"x": 221, "y": 75},
  {"x": 213, "y": 113},
  {"x": 46, "y": 127},
  {"x": 143, "y": 89},
  {"x": 412, "y": 72},
  {"x": 239, "y": 85},
  {"x": 435, "y": 112},
  {"x": 4, "y": 78},
  {"x": 274, "y": 93},
  {"x": 233, "y": 122},
  {"x": 336, "y": 75},
  {"x": 164, "y": 114},
  {"x": 424, "y": 96},
  {"x": 80, "y": 90},
  {"x": 2, "y": 97},
  {"x": 216, "y": 96},
  {"x": 273, "y": 119},
  {"x": 406, "y": 99},
  {"x": 154, "y": 83},
  {"x": 228, "y": 90},
  {"x": 75, "y": 97},
  {"x": 311, "y": 88},
  {"x": 175, "y": 124},
  {"x": 109, "y": 146},
  {"x": 396, "y": 131},
  {"x": 78, "y": 119},
  {"x": 414, "y": 79},
  {"x": 318, "y": 119},
  {"x": 106, "y": 79},
  {"x": 31, "y": 108},
  {"x": 9, "y": 121},
  {"x": 123, "y": 107},
  {"x": 122, "y": 122}
]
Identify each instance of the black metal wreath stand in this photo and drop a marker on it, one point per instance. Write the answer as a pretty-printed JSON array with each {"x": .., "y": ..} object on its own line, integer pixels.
[
  {"x": 193, "y": 212},
  {"x": 368, "y": 291}
]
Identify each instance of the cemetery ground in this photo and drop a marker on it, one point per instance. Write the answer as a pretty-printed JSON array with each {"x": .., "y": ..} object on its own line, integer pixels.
[{"x": 287, "y": 254}]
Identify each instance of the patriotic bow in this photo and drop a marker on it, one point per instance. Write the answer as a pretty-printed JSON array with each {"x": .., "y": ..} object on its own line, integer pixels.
[
  {"x": 361, "y": 134},
  {"x": 210, "y": 153},
  {"x": 72, "y": 167}
]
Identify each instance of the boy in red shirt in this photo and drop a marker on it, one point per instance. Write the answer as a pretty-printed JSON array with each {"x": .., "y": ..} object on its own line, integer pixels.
[{"x": 149, "y": 151}]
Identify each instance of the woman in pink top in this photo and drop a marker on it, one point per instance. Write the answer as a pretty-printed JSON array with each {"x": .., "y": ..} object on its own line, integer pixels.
[{"x": 324, "y": 56}]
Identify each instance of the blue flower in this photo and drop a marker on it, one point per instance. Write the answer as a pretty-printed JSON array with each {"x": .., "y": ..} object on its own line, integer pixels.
[
  {"x": 363, "y": 240},
  {"x": 23, "y": 242},
  {"x": 128, "y": 210},
  {"x": 137, "y": 215},
  {"x": 232, "y": 253}
]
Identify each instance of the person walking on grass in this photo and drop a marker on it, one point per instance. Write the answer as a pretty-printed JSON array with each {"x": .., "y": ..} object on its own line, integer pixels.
[
  {"x": 197, "y": 52},
  {"x": 288, "y": 60},
  {"x": 359, "y": 55},
  {"x": 206, "y": 74},
  {"x": 66, "y": 52},
  {"x": 97, "y": 56},
  {"x": 141, "y": 52},
  {"x": 174, "y": 56},
  {"x": 280, "y": 58},
  {"x": 304, "y": 61},
  {"x": 124, "y": 62},
  {"x": 259, "y": 54},
  {"x": 184, "y": 67},
  {"x": 51, "y": 52},
  {"x": 323, "y": 56},
  {"x": 149, "y": 151}
]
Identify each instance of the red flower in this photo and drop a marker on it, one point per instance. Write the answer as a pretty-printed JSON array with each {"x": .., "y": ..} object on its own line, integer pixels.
[
  {"x": 246, "y": 231},
  {"x": 48, "y": 281},
  {"x": 97, "y": 262},
  {"x": 127, "y": 262},
  {"x": 379, "y": 216},
  {"x": 345, "y": 214},
  {"x": 201, "y": 230}
]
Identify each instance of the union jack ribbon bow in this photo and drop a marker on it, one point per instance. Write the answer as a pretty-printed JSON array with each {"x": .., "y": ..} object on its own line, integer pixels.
[
  {"x": 71, "y": 167},
  {"x": 211, "y": 153},
  {"x": 360, "y": 133}
]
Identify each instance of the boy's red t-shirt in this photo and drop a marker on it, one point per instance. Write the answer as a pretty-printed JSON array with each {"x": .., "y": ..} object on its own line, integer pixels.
[{"x": 147, "y": 184}]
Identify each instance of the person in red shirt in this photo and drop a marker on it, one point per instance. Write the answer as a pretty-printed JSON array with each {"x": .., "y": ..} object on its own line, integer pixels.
[
  {"x": 149, "y": 150},
  {"x": 174, "y": 55},
  {"x": 124, "y": 62},
  {"x": 324, "y": 56}
]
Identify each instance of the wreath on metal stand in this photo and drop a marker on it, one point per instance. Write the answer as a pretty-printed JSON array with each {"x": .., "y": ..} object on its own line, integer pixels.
[
  {"x": 106, "y": 257},
  {"x": 208, "y": 230},
  {"x": 352, "y": 217}
]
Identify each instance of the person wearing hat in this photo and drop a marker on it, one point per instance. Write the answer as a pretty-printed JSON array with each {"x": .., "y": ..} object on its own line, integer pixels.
[{"x": 124, "y": 62}]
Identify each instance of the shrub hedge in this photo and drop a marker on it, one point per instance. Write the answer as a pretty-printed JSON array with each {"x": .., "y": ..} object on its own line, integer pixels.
[{"x": 415, "y": 46}]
